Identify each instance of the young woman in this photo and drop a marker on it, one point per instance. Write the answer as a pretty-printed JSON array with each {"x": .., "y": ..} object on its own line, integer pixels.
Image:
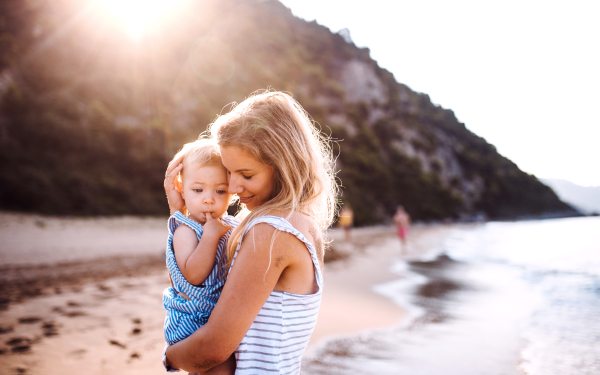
[{"x": 282, "y": 171}]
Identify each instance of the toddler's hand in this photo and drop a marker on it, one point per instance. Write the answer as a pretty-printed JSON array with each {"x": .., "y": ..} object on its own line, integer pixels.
[{"x": 215, "y": 227}]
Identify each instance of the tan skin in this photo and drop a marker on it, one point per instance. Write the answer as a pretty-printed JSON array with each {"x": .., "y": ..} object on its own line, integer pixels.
[{"x": 251, "y": 279}]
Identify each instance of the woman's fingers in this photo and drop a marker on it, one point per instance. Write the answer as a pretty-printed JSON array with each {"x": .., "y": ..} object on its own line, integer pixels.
[
  {"x": 174, "y": 198},
  {"x": 174, "y": 164},
  {"x": 170, "y": 176},
  {"x": 177, "y": 160}
]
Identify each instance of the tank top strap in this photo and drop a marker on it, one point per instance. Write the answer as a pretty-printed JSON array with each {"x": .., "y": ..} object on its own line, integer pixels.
[
  {"x": 178, "y": 217},
  {"x": 283, "y": 225}
]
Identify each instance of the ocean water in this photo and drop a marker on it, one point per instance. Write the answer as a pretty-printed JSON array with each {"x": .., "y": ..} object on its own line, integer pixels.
[{"x": 497, "y": 299}]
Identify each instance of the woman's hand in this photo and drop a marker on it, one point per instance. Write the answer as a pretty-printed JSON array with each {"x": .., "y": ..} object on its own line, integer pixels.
[{"x": 172, "y": 188}]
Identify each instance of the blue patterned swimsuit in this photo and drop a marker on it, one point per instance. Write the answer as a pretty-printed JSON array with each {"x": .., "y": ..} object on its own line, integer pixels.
[{"x": 184, "y": 316}]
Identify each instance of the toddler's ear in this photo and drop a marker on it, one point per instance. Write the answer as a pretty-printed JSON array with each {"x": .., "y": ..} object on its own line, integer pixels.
[{"x": 178, "y": 185}]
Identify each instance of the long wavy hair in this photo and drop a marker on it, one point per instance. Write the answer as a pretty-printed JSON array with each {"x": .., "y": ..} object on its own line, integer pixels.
[{"x": 276, "y": 131}]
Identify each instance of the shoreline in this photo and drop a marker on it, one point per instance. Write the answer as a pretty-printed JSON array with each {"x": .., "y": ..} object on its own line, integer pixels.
[
  {"x": 353, "y": 285},
  {"x": 94, "y": 310}
]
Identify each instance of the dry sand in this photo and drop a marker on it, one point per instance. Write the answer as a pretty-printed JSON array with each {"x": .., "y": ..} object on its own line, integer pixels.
[{"x": 85, "y": 294}]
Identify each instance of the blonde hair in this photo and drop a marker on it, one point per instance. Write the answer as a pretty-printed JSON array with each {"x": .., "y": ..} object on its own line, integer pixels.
[
  {"x": 276, "y": 131},
  {"x": 200, "y": 153}
]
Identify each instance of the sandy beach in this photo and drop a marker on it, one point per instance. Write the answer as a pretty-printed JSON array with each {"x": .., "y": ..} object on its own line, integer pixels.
[{"x": 85, "y": 294}]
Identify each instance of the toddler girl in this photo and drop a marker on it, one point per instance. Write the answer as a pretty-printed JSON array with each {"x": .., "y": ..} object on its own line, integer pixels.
[{"x": 195, "y": 251}]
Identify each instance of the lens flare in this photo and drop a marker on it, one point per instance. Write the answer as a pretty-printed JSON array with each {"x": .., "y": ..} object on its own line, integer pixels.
[{"x": 137, "y": 15}]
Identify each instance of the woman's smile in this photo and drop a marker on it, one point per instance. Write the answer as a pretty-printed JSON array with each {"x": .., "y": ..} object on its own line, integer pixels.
[{"x": 246, "y": 200}]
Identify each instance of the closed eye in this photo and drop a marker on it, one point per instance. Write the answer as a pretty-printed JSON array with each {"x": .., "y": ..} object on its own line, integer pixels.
[{"x": 247, "y": 177}]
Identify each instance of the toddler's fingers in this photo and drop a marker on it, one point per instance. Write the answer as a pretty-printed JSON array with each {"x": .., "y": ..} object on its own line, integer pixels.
[{"x": 228, "y": 227}]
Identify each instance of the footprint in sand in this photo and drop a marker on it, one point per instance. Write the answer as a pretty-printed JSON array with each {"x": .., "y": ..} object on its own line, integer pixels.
[
  {"x": 116, "y": 343},
  {"x": 18, "y": 341},
  {"x": 50, "y": 329},
  {"x": 70, "y": 314},
  {"x": 73, "y": 314},
  {"x": 21, "y": 349},
  {"x": 136, "y": 330},
  {"x": 19, "y": 344},
  {"x": 29, "y": 319},
  {"x": 78, "y": 352}
]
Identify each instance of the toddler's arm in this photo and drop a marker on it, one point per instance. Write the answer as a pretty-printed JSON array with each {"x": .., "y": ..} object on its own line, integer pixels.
[{"x": 196, "y": 259}]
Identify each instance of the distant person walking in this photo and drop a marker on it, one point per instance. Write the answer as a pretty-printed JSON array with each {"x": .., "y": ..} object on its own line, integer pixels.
[
  {"x": 346, "y": 220},
  {"x": 402, "y": 223}
]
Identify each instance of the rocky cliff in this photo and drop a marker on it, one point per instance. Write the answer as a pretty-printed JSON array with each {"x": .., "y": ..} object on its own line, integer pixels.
[{"x": 89, "y": 119}]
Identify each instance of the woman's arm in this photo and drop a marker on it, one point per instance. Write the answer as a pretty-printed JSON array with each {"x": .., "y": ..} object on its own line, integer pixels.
[{"x": 252, "y": 279}]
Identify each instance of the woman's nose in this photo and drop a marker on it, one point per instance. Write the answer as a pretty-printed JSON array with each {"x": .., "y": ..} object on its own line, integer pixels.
[{"x": 234, "y": 186}]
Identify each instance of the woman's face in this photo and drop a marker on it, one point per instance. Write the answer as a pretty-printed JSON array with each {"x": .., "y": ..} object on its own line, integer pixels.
[{"x": 250, "y": 179}]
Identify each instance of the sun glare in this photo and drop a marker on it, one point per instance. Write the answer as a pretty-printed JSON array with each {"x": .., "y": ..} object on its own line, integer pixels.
[{"x": 137, "y": 15}]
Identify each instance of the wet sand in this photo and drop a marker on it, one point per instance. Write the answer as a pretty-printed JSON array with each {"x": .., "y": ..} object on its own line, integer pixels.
[{"x": 85, "y": 294}]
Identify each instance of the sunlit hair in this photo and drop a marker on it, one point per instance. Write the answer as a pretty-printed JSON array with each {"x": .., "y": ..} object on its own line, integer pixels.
[
  {"x": 275, "y": 130},
  {"x": 200, "y": 153}
]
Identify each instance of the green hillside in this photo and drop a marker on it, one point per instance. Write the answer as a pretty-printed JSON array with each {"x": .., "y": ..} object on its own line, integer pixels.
[{"x": 89, "y": 119}]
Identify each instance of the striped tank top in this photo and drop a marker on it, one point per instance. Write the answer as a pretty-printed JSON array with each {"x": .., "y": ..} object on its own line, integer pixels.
[
  {"x": 185, "y": 316},
  {"x": 275, "y": 342}
]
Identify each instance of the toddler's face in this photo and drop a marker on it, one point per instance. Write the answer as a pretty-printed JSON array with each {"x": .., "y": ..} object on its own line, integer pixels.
[{"x": 205, "y": 192}]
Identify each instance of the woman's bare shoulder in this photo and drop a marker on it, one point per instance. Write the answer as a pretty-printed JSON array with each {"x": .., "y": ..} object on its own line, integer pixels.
[
  {"x": 264, "y": 231},
  {"x": 307, "y": 226},
  {"x": 298, "y": 220}
]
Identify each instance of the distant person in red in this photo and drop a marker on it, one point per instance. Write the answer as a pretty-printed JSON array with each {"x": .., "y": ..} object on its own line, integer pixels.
[{"x": 402, "y": 223}]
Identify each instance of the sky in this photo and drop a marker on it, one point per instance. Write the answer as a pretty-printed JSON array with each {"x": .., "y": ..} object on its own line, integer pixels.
[{"x": 524, "y": 75}]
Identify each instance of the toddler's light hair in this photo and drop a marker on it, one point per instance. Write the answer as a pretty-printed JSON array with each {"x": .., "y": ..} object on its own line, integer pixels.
[
  {"x": 275, "y": 130},
  {"x": 200, "y": 153}
]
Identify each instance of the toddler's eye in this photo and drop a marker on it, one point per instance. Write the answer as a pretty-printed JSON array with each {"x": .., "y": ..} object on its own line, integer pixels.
[
  {"x": 198, "y": 190},
  {"x": 221, "y": 192}
]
